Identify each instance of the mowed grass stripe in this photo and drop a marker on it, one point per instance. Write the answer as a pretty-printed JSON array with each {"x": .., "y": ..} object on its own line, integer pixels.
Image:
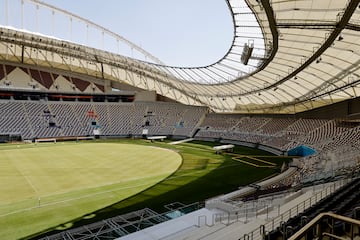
[{"x": 72, "y": 180}]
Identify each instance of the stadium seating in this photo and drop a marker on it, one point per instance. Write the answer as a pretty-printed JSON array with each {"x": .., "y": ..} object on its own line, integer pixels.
[
  {"x": 13, "y": 119},
  {"x": 42, "y": 119},
  {"x": 336, "y": 142}
]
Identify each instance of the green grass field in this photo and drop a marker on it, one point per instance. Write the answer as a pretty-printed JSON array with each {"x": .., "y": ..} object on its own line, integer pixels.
[
  {"x": 43, "y": 185},
  {"x": 79, "y": 183}
]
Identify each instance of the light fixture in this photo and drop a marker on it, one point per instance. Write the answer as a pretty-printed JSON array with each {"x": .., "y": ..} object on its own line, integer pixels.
[{"x": 340, "y": 38}]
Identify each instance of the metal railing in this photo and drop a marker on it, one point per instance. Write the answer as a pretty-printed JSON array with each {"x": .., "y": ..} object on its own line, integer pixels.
[
  {"x": 329, "y": 226},
  {"x": 281, "y": 218}
]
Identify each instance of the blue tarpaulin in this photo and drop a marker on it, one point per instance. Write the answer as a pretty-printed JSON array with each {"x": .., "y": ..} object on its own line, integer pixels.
[{"x": 301, "y": 150}]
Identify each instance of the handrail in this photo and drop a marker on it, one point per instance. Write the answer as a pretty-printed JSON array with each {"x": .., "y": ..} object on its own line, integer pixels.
[{"x": 320, "y": 217}]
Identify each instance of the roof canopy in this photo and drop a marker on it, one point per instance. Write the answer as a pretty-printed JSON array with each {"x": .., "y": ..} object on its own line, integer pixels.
[{"x": 306, "y": 54}]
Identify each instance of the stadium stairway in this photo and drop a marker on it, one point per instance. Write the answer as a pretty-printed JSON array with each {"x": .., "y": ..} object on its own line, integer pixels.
[{"x": 339, "y": 202}]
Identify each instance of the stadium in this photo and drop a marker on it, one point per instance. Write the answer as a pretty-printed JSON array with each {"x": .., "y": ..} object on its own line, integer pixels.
[{"x": 263, "y": 143}]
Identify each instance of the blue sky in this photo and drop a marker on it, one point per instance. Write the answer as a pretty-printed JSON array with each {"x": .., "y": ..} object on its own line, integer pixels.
[{"x": 180, "y": 33}]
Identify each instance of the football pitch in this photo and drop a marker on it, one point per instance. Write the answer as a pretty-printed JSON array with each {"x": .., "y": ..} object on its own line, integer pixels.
[
  {"x": 46, "y": 188},
  {"x": 48, "y": 184}
]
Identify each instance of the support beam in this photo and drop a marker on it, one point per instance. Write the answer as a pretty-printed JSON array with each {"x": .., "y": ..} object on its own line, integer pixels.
[{"x": 305, "y": 25}]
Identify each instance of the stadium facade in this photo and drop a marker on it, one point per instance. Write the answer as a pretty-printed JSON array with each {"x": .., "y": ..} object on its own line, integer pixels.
[{"x": 300, "y": 60}]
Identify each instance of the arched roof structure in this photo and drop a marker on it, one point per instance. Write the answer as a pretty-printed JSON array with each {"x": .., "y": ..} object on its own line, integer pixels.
[{"x": 306, "y": 54}]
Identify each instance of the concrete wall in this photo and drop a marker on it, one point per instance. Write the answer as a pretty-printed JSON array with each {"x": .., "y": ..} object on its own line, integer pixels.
[{"x": 145, "y": 96}]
